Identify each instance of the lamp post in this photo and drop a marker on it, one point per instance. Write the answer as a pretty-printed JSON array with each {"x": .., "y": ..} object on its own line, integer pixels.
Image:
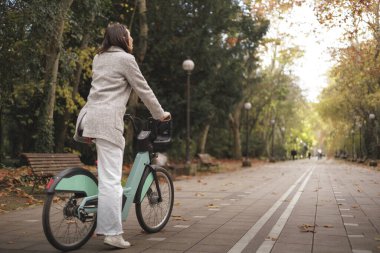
[
  {"x": 353, "y": 144},
  {"x": 283, "y": 142},
  {"x": 246, "y": 162},
  {"x": 360, "y": 142},
  {"x": 188, "y": 66},
  {"x": 271, "y": 159},
  {"x": 373, "y": 161}
]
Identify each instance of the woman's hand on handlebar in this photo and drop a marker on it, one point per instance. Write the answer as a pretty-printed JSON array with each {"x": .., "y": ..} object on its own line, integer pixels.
[{"x": 167, "y": 116}]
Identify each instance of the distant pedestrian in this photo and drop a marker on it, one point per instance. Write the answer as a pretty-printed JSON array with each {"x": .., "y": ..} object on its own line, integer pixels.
[
  {"x": 293, "y": 153},
  {"x": 319, "y": 154},
  {"x": 309, "y": 155}
]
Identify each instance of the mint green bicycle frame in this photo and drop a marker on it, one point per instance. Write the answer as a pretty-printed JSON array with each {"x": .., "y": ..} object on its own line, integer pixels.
[{"x": 82, "y": 183}]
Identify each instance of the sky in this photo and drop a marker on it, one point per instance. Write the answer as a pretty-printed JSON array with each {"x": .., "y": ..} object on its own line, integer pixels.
[{"x": 315, "y": 40}]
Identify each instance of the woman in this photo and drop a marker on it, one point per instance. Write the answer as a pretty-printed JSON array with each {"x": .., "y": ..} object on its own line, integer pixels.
[{"x": 115, "y": 74}]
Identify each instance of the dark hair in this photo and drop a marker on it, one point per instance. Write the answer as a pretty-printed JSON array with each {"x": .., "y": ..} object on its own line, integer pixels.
[{"x": 116, "y": 35}]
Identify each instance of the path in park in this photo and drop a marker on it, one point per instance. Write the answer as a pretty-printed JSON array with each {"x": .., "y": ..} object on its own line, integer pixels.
[{"x": 294, "y": 206}]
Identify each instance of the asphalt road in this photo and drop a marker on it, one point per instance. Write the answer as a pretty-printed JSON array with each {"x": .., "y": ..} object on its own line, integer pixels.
[{"x": 294, "y": 206}]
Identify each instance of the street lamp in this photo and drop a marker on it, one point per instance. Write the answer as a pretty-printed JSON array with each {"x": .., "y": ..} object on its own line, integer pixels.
[
  {"x": 283, "y": 142},
  {"x": 272, "y": 122},
  {"x": 360, "y": 142},
  {"x": 188, "y": 66},
  {"x": 373, "y": 161},
  {"x": 246, "y": 162},
  {"x": 353, "y": 145}
]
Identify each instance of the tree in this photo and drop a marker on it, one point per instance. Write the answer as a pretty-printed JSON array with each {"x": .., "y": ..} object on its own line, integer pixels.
[
  {"x": 357, "y": 17},
  {"x": 353, "y": 92},
  {"x": 45, "y": 135}
]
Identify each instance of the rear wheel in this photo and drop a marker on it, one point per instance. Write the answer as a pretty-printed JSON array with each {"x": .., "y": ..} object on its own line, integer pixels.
[
  {"x": 61, "y": 223},
  {"x": 153, "y": 214}
]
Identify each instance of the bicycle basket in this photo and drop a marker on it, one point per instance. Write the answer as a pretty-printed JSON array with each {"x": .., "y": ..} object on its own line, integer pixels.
[{"x": 162, "y": 134}]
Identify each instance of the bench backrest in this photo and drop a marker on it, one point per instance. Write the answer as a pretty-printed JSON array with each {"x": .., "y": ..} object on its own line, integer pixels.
[{"x": 51, "y": 163}]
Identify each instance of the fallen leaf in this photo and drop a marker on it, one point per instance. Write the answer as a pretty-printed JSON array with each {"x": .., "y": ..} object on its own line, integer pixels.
[
  {"x": 212, "y": 206},
  {"x": 355, "y": 206},
  {"x": 271, "y": 238},
  {"x": 199, "y": 194},
  {"x": 328, "y": 226},
  {"x": 178, "y": 189},
  {"x": 177, "y": 204},
  {"x": 307, "y": 228},
  {"x": 178, "y": 217}
]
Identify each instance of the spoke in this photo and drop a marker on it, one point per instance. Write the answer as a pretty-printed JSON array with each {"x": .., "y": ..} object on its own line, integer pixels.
[{"x": 69, "y": 230}]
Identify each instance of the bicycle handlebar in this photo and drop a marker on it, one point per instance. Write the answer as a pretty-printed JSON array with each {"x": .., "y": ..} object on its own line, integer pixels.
[{"x": 159, "y": 131}]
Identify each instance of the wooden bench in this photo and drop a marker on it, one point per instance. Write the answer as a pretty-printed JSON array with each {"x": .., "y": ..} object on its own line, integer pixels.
[
  {"x": 206, "y": 160},
  {"x": 45, "y": 165}
]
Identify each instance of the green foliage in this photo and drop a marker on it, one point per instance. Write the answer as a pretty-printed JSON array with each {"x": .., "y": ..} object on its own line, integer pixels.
[
  {"x": 226, "y": 72},
  {"x": 352, "y": 94},
  {"x": 45, "y": 142}
]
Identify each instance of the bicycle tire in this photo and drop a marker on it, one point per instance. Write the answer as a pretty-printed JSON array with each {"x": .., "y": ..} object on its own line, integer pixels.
[
  {"x": 58, "y": 210},
  {"x": 149, "y": 204}
]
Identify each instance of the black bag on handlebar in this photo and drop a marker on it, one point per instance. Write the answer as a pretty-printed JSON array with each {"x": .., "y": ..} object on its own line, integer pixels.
[{"x": 161, "y": 133}]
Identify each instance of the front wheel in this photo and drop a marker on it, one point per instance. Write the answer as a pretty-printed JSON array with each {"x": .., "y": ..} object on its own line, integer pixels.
[{"x": 151, "y": 213}]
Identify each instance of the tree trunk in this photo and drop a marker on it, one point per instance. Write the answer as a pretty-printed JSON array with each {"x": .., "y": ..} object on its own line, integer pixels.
[
  {"x": 234, "y": 118},
  {"x": 203, "y": 138},
  {"x": 140, "y": 55},
  {"x": 141, "y": 48},
  {"x": 143, "y": 36},
  {"x": 377, "y": 29},
  {"x": 45, "y": 138},
  {"x": 1, "y": 132}
]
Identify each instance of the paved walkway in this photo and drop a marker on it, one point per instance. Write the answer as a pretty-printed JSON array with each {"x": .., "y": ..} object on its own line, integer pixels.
[{"x": 294, "y": 206}]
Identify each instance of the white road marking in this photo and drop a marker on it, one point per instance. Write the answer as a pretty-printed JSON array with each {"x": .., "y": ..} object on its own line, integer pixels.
[
  {"x": 182, "y": 226},
  {"x": 267, "y": 245},
  {"x": 245, "y": 240},
  {"x": 31, "y": 220},
  {"x": 361, "y": 251},
  {"x": 356, "y": 236},
  {"x": 351, "y": 224},
  {"x": 158, "y": 239}
]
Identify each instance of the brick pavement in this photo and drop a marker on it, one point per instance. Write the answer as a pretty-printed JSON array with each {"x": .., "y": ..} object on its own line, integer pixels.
[{"x": 340, "y": 202}]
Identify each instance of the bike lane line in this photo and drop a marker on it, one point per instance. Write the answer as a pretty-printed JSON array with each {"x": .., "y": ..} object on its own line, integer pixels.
[
  {"x": 245, "y": 240},
  {"x": 273, "y": 235}
]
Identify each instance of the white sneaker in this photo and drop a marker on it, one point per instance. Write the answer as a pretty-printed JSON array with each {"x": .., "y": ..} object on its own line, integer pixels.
[{"x": 116, "y": 241}]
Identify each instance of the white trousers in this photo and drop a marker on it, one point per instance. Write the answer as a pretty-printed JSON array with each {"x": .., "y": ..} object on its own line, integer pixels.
[{"x": 110, "y": 161}]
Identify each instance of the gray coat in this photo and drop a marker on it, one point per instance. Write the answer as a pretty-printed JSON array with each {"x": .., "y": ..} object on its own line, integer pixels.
[{"x": 114, "y": 74}]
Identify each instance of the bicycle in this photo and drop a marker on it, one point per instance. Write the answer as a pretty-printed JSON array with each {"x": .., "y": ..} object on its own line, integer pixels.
[{"x": 69, "y": 212}]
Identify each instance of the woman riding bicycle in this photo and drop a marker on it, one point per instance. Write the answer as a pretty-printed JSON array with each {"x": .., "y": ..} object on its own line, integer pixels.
[{"x": 114, "y": 74}]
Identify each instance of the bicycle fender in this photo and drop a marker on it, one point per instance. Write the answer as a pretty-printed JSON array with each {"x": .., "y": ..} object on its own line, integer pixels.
[{"x": 74, "y": 180}]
